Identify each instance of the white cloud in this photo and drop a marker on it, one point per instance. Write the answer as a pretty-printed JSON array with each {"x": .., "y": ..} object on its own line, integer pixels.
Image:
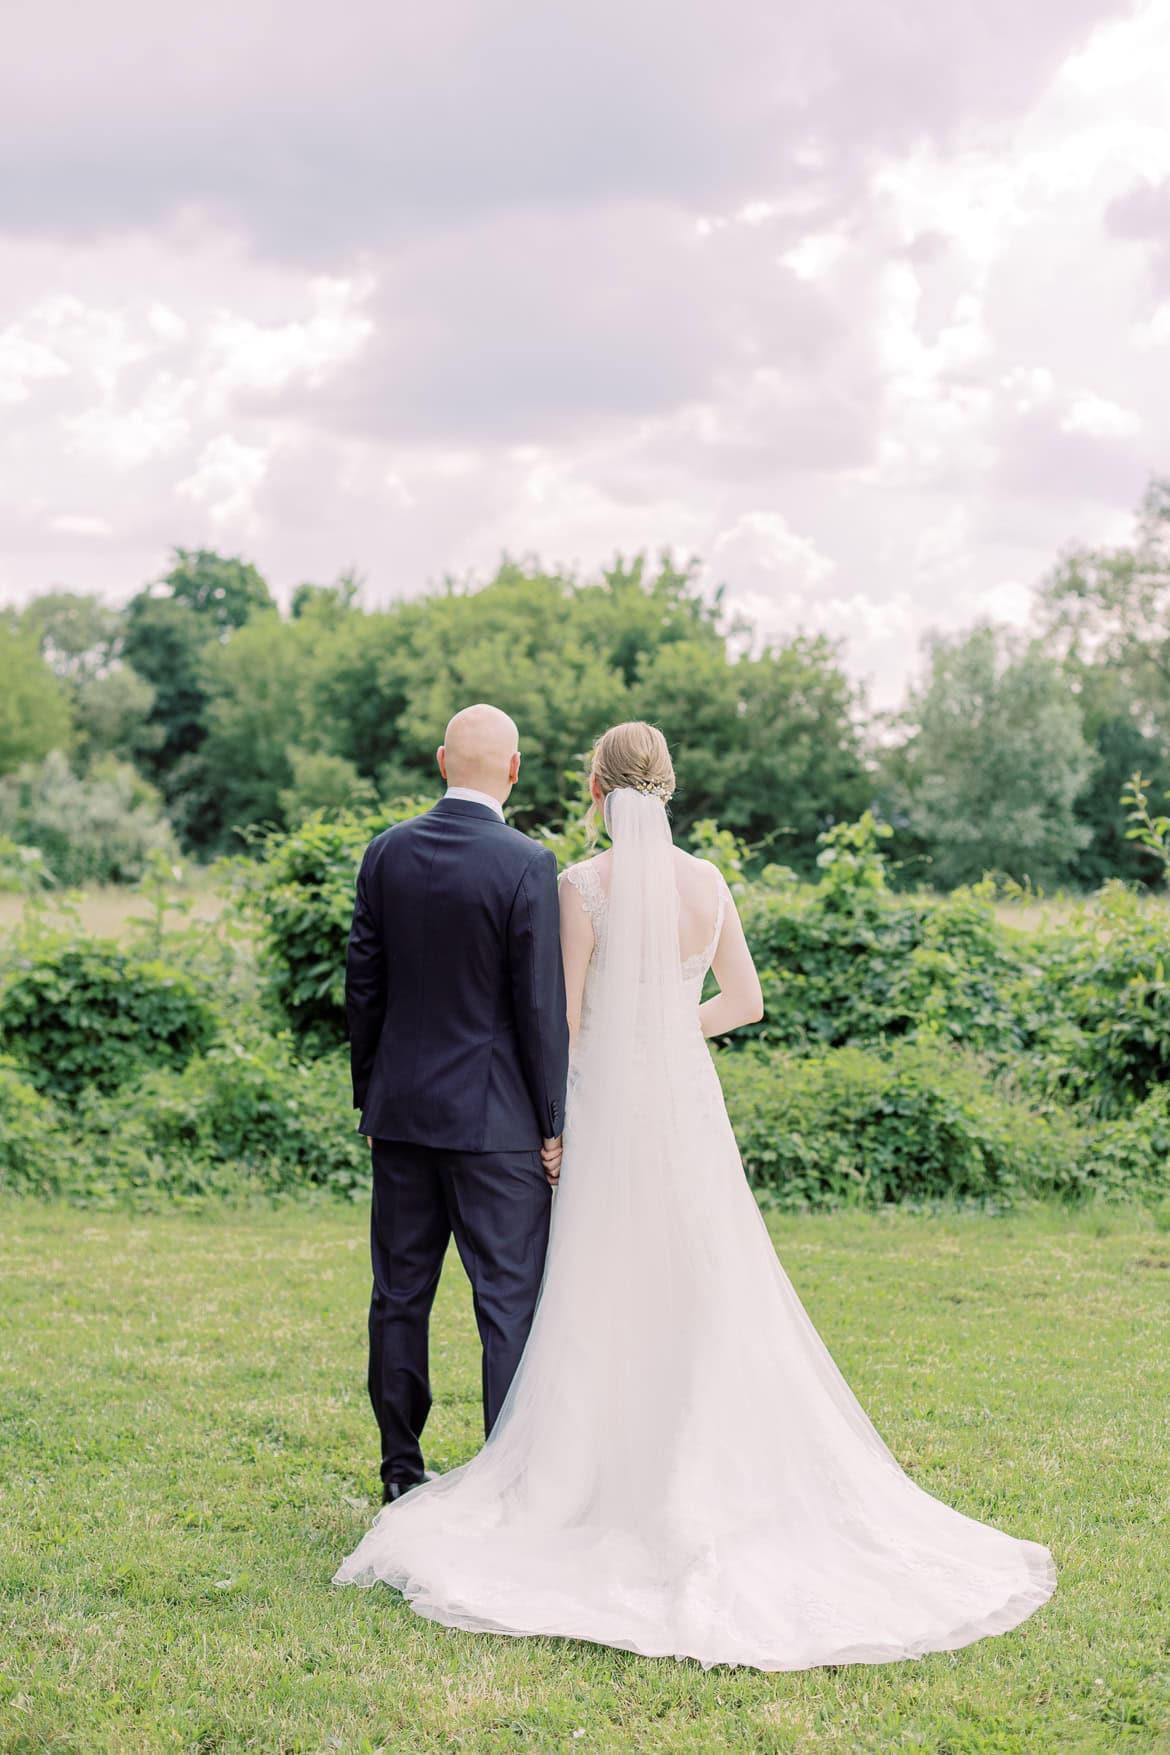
[
  {"x": 1028, "y": 387},
  {"x": 943, "y": 547},
  {"x": 25, "y": 362},
  {"x": 80, "y": 524},
  {"x": 1100, "y": 418},
  {"x": 124, "y": 437},
  {"x": 760, "y": 555},
  {"x": 226, "y": 478},
  {"x": 243, "y": 354},
  {"x": 1155, "y": 330},
  {"x": 166, "y": 323},
  {"x": 815, "y": 254},
  {"x": 99, "y": 343},
  {"x": 1010, "y": 601}
]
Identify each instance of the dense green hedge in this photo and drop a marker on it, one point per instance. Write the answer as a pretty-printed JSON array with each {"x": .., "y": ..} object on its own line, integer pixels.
[
  {"x": 1097, "y": 1001},
  {"x": 924, "y": 1121},
  {"x": 849, "y": 1126},
  {"x": 250, "y": 1105},
  {"x": 88, "y": 1015},
  {"x": 887, "y": 966},
  {"x": 27, "y": 1125},
  {"x": 302, "y": 895},
  {"x": 246, "y": 1118},
  {"x": 913, "y": 1048}
]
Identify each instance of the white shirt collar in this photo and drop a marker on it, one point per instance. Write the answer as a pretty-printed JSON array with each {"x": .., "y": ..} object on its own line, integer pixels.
[{"x": 471, "y": 796}]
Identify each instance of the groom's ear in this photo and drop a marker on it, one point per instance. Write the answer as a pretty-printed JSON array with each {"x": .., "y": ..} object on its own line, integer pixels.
[
  {"x": 441, "y": 758},
  {"x": 514, "y": 768}
]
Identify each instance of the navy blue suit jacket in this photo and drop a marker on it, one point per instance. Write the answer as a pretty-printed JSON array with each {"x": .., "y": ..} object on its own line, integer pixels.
[{"x": 454, "y": 989}]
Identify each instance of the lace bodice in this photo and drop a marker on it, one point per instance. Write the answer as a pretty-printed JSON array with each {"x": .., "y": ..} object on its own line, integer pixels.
[{"x": 595, "y": 901}]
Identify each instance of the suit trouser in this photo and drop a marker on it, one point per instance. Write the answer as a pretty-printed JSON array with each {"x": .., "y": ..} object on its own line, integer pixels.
[{"x": 497, "y": 1206}]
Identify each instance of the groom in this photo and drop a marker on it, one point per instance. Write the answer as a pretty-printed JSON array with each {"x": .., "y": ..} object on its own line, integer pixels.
[{"x": 455, "y": 999}]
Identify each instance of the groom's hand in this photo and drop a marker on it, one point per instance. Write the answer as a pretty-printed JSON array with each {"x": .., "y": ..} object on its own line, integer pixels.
[{"x": 550, "y": 1157}]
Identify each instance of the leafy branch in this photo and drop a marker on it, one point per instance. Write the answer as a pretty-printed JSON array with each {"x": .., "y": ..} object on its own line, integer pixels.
[{"x": 1152, "y": 831}]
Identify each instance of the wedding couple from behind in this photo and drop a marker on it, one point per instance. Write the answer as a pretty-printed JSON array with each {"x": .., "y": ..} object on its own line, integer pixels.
[{"x": 674, "y": 1465}]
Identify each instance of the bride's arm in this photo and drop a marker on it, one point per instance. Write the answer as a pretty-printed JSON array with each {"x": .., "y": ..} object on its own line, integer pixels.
[
  {"x": 576, "y": 950},
  {"x": 739, "y": 1000}
]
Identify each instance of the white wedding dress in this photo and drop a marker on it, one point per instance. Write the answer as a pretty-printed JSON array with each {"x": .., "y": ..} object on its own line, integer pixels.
[{"x": 679, "y": 1468}]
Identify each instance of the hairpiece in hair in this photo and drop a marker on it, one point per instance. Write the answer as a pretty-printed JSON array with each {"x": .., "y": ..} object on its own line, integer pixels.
[{"x": 652, "y": 789}]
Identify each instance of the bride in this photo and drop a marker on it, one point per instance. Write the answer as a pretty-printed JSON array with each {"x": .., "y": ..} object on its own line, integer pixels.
[{"x": 679, "y": 1468}]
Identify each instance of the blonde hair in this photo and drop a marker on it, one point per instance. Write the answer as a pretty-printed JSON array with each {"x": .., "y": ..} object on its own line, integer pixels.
[{"x": 631, "y": 754}]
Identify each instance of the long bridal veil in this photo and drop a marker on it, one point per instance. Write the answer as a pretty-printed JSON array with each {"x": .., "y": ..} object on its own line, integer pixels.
[{"x": 680, "y": 1468}]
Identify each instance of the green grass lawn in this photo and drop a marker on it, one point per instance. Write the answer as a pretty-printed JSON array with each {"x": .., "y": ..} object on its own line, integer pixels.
[{"x": 186, "y": 1451}]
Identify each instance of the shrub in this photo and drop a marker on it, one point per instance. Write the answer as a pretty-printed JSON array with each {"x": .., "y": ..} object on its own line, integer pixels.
[
  {"x": 28, "y": 1162},
  {"x": 1099, "y": 999},
  {"x": 846, "y": 1127},
  {"x": 840, "y": 966},
  {"x": 96, "y": 830},
  {"x": 303, "y": 895},
  {"x": 23, "y": 871},
  {"x": 1132, "y": 1155},
  {"x": 86, "y": 1013},
  {"x": 246, "y": 1114}
]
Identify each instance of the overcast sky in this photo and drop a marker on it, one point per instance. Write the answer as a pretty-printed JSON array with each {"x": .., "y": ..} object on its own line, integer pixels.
[{"x": 864, "y": 302}]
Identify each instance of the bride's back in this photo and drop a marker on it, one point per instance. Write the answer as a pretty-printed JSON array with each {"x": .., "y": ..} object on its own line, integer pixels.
[{"x": 696, "y": 882}]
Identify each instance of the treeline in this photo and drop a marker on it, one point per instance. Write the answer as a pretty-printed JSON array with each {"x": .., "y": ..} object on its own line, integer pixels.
[{"x": 199, "y": 709}]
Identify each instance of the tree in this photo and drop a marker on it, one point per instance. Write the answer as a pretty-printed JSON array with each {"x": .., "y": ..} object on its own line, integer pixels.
[
  {"x": 515, "y": 643},
  {"x": 112, "y": 715},
  {"x": 327, "y": 603},
  {"x": 322, "y": 782},
  {"x": 629, "y": 615},
  {"x": 80, "y": 638},
  {"x": 78, "y": 635},
  {"x": 1105, "y": 613},
  {"x": 1122, "y": 748},
  {"x": 34, "y": 705},
  {"x": 769, "y": 745},
  {"x": 224, "y": 591},
  {"x": 164, "y": 641},
  {"x": 258, "y": 687},
  {"x": 169, "y": 630},
  {"x": 387, "y": 683},
  {"x": 96, "y": 829},
  {"x": 994, "y": 762},
  {"x": 1111, "y": 607}
]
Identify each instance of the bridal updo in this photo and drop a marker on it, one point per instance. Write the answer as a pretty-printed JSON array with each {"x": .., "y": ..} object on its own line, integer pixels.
[{"x": 633, "y": 754}]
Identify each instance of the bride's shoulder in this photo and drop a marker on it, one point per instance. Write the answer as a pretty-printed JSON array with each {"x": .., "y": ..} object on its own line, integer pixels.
[
  {"x": 587, "y": 876},
  {"x": 694, "y": 866},
  {"x": 582, "y": 867}
]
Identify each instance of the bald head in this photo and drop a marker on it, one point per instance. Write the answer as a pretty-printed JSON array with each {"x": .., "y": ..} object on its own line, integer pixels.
[{"x": 481, "y": 750}]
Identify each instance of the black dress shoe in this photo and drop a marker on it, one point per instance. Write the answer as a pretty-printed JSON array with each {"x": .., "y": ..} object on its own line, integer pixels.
[{"x": 393, "y": 1490}]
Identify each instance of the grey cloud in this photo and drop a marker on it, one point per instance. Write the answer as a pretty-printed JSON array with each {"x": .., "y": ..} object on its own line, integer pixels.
[
  {"x": 524, "y": 327},
  {"x": 787, "y": 431},
  {"x": 319, "y": 133},
  {"x": 1036, "y": 460},
  {"x": 1144, "y": 213}
]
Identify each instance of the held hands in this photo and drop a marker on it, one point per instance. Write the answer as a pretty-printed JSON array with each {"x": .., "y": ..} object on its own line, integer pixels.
[{"x": 550, "y": 1157}]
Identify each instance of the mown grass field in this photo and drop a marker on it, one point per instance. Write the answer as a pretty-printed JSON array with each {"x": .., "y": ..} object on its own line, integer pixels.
[
  {"x": 109, "y": 911},
  {"x": 186, "y": 1451}
]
